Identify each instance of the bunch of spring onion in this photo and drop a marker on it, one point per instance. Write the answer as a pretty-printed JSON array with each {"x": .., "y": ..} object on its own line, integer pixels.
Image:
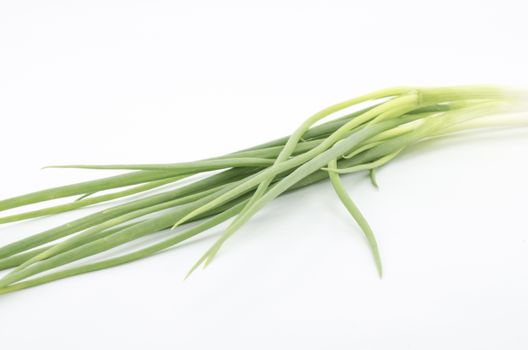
[{"x": 235, "y": 186}]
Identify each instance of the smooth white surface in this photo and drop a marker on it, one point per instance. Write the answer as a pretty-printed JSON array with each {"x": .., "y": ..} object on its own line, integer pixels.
[{"x": 153, "y": 81}]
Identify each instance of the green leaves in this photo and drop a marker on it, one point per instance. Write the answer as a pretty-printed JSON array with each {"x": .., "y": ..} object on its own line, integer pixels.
[{"x": 236, "y": 185}]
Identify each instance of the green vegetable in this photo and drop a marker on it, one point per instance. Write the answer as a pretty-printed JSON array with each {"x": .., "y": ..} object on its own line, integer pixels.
[{"x": 237, "y": 185}]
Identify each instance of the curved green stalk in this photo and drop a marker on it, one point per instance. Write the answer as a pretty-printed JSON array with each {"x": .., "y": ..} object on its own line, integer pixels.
[
  {"x": 356, "y": 214},
  {"x": 106, "y": 183},
  {"x": 15, "y": 261},
  {"x": 187, "y": 168},
  {"x": 80, "y": 202},
  {"x": 373, "y": 178}
]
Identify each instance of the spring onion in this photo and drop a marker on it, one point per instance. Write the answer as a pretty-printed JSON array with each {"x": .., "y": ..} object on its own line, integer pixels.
[{"x": 201, "y": 195}]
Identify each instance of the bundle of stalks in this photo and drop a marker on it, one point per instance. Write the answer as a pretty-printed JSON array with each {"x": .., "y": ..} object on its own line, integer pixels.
[{"x": 234, "y": 187}]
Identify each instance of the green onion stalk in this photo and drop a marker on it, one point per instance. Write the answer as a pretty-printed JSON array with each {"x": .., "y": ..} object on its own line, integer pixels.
[{"x": 192, "y": 197}]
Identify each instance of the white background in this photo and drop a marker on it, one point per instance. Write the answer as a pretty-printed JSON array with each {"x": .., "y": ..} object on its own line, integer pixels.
[{"x": 154, "y": 81}]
